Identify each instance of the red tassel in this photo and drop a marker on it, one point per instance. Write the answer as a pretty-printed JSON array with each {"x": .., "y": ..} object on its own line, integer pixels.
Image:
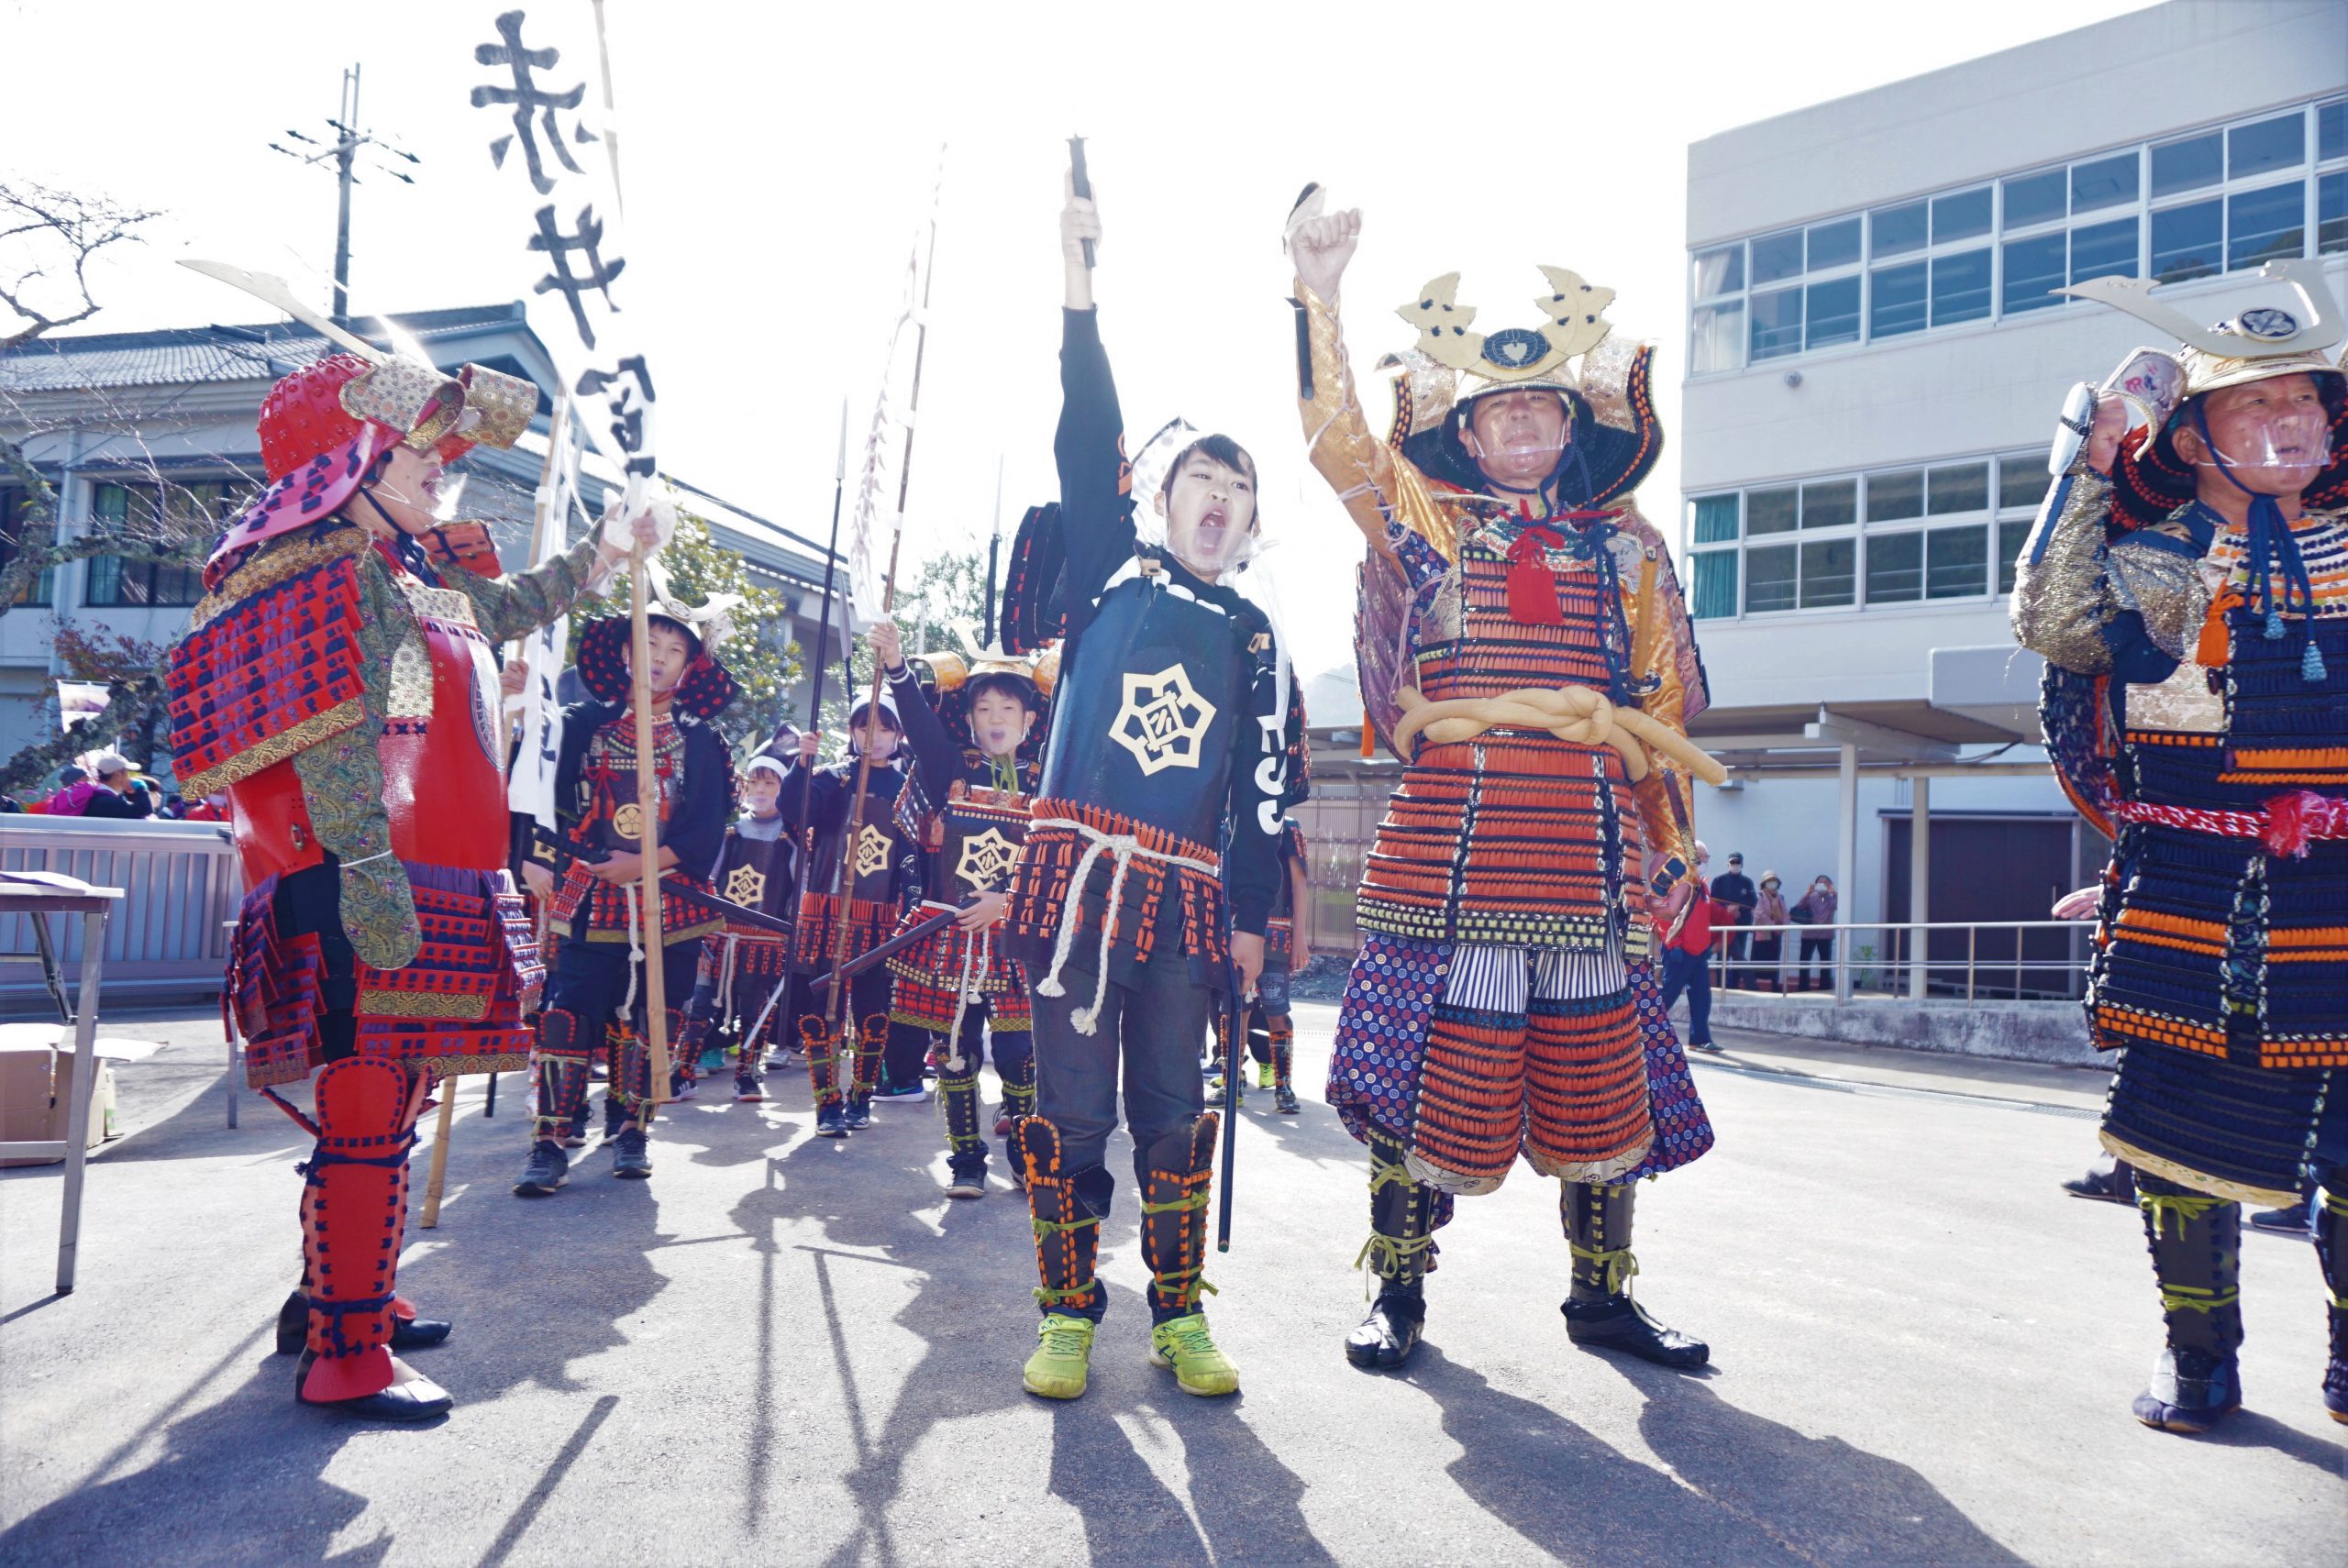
[
  {"x": 1532, "y": 591},
  {"x": 2295, "y": 818}
]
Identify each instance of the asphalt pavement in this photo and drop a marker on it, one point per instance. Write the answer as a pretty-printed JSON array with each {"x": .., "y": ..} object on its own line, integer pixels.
[{"x": 790, "y": 1350}]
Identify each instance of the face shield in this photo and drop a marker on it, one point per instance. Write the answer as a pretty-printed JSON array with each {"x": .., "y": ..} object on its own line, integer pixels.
[{"x": 2287, "y": 437}]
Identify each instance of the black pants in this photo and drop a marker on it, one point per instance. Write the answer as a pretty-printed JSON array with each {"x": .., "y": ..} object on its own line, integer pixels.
[
  {"x": 1146, "y": 1042},
  {"x": 1767, "y": 953},
  {"x": 1734, "y": 974},
  {"x": 1820, "y": 947}
]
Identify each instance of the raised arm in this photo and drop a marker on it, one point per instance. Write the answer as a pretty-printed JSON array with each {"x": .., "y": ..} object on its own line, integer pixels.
[
  {"x": 1096, "y": 481},
  {"x": 1380, "y": 491},
  {"x": 933, "y": 753}
]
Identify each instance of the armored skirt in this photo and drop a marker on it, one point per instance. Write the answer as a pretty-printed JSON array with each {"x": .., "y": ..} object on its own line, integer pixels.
[{"x": 951, "y": 969}]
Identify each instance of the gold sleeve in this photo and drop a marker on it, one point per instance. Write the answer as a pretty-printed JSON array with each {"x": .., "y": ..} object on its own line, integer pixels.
[
  {"x": 1665, "y": 798},
  {"x": 2061, "y": 598},
  {"x": 1377, "y": 486}
]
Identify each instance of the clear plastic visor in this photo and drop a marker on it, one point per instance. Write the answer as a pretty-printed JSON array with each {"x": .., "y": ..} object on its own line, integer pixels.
[{"x": 2288, "y": 438}]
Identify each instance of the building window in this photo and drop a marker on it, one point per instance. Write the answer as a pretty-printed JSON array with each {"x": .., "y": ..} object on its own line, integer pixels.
[
  {"x": 1863, "y": 541},
  {"x": 2226, "y": 199},
  {"x": 134, "y": 578},
  {"x": 42, "y": 592}
]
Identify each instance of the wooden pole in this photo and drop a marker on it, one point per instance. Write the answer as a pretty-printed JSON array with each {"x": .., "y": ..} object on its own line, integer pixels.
[
  {"x": 440, "y": 1131},
  {"x": 647, "y": 802}
]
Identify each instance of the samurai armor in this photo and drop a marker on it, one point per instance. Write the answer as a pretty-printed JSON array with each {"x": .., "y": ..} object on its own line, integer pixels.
[
  {"x": 354, "y": 1209},
  {"x": 1177, "y": 1174},
  {"x": 1067, "y": 1208},
  {"x": 2240, "y": 1132}
]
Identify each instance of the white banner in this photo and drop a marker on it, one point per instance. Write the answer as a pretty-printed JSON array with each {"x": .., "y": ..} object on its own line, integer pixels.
[
  {"x": 530, "y": 787},
  {"x": 537, "y": 74},
  {"x": 79, "y": 700}
]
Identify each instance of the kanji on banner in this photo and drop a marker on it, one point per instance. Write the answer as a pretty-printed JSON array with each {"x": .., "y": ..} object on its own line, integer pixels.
[
  {"x": 534, "y": 79},
  {"x": 529, "y": 789}
]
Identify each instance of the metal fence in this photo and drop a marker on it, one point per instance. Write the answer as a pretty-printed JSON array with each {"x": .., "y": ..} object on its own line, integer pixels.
[
  {"x": 168, "y": 939},
  {"x": 2011, "y": 960}
]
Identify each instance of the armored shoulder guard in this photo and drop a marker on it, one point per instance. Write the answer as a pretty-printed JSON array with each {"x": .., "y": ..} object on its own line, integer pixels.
[{"x": 271, "y": 664}]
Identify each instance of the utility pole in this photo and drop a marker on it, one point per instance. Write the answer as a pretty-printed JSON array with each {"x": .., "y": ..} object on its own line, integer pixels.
[{"x": 344, "y": 149}]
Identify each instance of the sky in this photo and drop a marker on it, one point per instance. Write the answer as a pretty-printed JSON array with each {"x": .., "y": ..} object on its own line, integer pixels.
[{"x": 777, "y": 160}]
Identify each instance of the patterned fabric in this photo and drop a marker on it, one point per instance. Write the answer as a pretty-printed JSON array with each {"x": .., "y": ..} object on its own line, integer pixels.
[
  {"x": 461, "y": 1007},
  {"x": 1041, "y": 887},
  {"x": 1390, "y": 1003},
  {"x": 2241, "y": 1133},
  {"x": 279, "y": 670},
  {"x": 1683, "y": 1131},
  {"x": 607, "y": 781},
  {"x": 816, "y": 937},
  {"x": 952, "y": 959}
]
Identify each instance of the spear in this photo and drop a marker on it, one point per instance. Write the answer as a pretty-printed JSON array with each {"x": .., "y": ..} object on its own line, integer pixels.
[
  {"x": 802, "y": 848},
  {"x": 994, "y": 553},
  {"x": 853, "y": 820}
]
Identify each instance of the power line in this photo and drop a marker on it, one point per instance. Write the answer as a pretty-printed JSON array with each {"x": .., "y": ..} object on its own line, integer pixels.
[{"x": 343, "y": 148}]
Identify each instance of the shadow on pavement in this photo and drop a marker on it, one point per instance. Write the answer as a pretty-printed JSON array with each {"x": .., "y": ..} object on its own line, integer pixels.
[
  {"x": 1750, "y": 1492},
  {"x": 181, "y": 1507}
]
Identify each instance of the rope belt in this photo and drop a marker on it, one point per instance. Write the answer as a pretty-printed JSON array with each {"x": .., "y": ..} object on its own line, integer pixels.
[
  {"x": 1121, "y": 847},
  {"x": 1577, "y": 714},
  {"x": 2287, "y": 824}
]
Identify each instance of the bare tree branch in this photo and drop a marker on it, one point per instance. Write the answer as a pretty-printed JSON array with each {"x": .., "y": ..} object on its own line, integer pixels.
[{"x": 62, "y": 231}]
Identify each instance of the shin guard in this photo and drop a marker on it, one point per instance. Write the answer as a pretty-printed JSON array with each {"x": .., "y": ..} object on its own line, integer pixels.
[
  {"x": 1018, "y": 1083},
  {"x": 1281, "y": 1034},
  {"x": 1401, "y": 1249},
  {"x": 631, "y": 1081},
  {"x": 1177, "y": 1172},
  {"x": 2196, "y": 1243},
  {"x": 822, "y": 1045},
  {"x": 354, "y": 1211},
  {"x": 2331, "y": 1250},
  {"x": 1067, "y": 1208},
  {"x": 1597, "y": 1231},
  {"x": 564, "y": 1049},
  {"x": 871, "y": 1037},
  {"x": 958, "y": 1095}
]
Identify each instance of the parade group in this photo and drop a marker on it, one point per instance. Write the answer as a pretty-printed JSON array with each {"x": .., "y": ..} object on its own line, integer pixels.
[{"x": 1072, "y": 846}]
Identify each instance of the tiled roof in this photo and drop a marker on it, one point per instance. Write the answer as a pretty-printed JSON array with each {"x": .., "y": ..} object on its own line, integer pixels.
[{"x": 173, "y": 357}]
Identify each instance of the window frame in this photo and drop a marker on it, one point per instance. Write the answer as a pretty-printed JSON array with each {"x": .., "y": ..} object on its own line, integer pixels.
[
  {"x": 230, "y": 494},
  {"x": 1994, "y": 522},
  {"x": 2142, "y": 209}
]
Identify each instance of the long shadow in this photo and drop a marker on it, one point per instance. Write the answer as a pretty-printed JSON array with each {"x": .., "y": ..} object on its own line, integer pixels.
[
  {"x": 1747, "y": 1492},
  {"x": 190, "y": 1504},
  {"x": 977, "y": 1321}
]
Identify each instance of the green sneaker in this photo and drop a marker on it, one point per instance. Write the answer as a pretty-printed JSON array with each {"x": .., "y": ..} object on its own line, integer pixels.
[
  {"x": 1264, "y": 1075},
  {"x": 1056, "y": 1369},
  {"x": 1184, "y": 1344}
]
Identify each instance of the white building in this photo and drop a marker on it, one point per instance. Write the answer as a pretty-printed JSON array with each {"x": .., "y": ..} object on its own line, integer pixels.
[
  {"x": 1875, "y": 366},
  {"x": 120, "y": 423}
]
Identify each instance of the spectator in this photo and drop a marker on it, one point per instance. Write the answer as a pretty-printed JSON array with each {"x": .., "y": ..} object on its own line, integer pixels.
[
  {"x": 1736, "y": 889},
  {"x": 1769, "y": 948},
  {"x": 1688, "y": 952},
  {"x": 118, "y": 794},
  {"x": 1816, "y": 909}
]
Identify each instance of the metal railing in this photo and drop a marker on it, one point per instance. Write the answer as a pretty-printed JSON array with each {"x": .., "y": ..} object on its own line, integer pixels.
[
  {"x": 2016, "y": 960},
  {"x": 169, "y": 938}
]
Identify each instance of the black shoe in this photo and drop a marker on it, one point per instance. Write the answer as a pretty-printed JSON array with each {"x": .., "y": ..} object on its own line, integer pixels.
[
  {"x": 2192, "y": 1391},
  {"x": 2335, "y": 1390},
  {"x": 548, "y": 1168},
  {"x": 746, "y": 1089},
  {"x": 418, "y": 1333},
  {"x": 1218, "y": 1094},
  {"x": 418, "y": 1399},
  {"x": 1384, "y": 1340},
  {"x": 831, "y": 1120},
  {"x": 630, "y": 1160},
  {"x": 859, "y": 1115},
  {"x": 966, "y": 1178},
  {"x": 1284, "y": 1100},
  {"x": 1617, "y": 1322},
  {"x": 614, "y": 1114},
  {"x": 2117, "y": 1185},
  {"x": 2279, "y": 1222}
]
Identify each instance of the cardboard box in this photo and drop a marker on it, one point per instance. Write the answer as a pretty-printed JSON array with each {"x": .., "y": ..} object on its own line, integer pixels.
[{"x": 36, "y": 1085}]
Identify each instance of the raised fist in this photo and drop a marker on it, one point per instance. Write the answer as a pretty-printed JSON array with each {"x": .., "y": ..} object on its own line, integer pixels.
[
  {"x": 1320, "y": 245},
  {"x": 887, "y": 645}
]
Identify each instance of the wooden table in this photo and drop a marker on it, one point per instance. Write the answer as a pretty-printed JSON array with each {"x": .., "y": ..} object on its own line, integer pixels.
[{"x": 41, "y": 894}]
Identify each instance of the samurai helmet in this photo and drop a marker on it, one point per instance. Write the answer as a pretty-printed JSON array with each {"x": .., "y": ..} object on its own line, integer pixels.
[
  {"x": 958, "y": 678},
  {"x": 1604, "y": 379},
  {"x": 707, "y": 686},
  {"x": 322, "y": 408}
]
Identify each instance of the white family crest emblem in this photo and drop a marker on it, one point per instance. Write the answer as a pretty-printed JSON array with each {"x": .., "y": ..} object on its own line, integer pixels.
[
  {"x": 871, "y": 851},
  {"x": 985, "y": 859},
  {"x": 747, "y": 885},
  {"x": 1163, "y": 721},
  {"x": 628, "y": 819}
]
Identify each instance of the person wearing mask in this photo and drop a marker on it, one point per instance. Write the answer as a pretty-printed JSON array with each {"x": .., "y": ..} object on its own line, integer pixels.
[
  {"x": 117, "y": 794},
  {"x": 1816, "y": 910},
  {"x": 1736, "y": 889},
  {"x": 1768, "y": 950}
]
